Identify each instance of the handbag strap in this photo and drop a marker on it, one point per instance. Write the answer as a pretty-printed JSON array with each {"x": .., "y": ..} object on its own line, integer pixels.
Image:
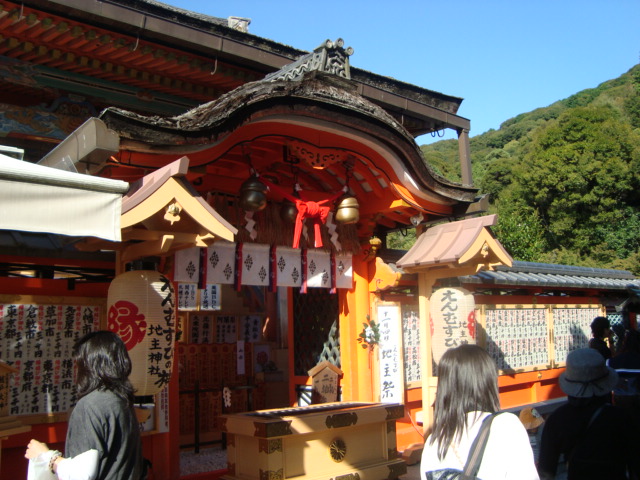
[{"x": 476, "y": 451}]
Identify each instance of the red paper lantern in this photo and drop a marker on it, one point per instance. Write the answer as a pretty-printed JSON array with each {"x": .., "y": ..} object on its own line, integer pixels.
[
  {"x": 141, "y": 309},
  {"x": 452, "y": 318}
]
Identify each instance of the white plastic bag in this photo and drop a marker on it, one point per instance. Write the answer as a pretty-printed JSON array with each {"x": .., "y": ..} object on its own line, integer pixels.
[{"x": 39, "y": 467}]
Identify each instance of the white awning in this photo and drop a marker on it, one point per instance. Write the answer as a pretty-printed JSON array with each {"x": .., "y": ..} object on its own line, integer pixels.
[{"x": 35, "y": 198}]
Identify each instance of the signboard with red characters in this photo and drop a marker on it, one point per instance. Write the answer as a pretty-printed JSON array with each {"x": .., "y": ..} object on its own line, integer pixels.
[
  {"x": 36, "y": 338},
  {"x": 453, "y": 319}
]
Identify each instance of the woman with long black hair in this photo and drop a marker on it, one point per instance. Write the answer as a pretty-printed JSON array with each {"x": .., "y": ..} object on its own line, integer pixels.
[
  {"x": 103, "y": 418},
  {"x": 467, "y": 394}
]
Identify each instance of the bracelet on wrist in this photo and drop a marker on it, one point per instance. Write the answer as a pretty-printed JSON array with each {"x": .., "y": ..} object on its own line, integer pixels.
[{"x": 54, "y": 456}]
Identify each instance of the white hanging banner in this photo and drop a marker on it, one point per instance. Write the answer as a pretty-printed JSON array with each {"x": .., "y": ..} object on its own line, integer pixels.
[
  {"x": 251, "y": 328},
  {"x": 221, "y": 262},
  {"x": 289, "y": 267},
  {"x": 210, "y": 297},
  {"x": 318, "y": 269},
  {"x": 187, "y": 296},
  {"x": 390, "y": 354},
  {"x": 255, "y": 264},
  {"x": 201, "y": 328},
  {"x": 187, "y": 265},
  {"x": 226, "y": 329},
  {"x": 344, "y": 271}
]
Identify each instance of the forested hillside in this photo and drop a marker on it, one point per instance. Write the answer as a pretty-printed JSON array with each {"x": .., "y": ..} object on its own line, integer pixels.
[{"x": 564, "y": 179}]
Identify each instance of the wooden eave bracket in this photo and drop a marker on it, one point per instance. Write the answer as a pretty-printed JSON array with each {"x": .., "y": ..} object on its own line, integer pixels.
[
  {"x": 384, "y": 277},
  {"x": 148, "y": 235},
  {"x": 134, "y": 251},
  {"x": 486, "y": 252},
  {"x": 162, "y": 243}
]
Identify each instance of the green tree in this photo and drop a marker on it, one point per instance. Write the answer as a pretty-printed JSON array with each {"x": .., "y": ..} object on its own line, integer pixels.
[
  {"x": 521, "y": 233},
  {"x": 569, "y": 169},
  {"x": 401, "y": 240},
  {"x": 580, "y": 174},
  {"x": 632, "y": 103},
  {"x": 498, "y": 176}
]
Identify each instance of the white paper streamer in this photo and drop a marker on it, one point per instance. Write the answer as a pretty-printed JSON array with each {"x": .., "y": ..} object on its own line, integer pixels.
[
  {"x": 250, "y": 225},
  {"x": 331, "y": 227}
]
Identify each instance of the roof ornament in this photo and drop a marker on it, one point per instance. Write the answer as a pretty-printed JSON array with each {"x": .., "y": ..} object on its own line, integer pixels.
[
  {"x": 330, "y": 57},
  {"x": 240, "y": 24}
]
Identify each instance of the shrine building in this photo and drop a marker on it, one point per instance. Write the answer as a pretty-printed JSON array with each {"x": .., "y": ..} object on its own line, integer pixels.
[{"x": 248, "y": 188}]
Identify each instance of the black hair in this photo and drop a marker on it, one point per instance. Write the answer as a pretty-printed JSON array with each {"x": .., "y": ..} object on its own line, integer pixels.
[
  {"x": 103, "y": 363},
  {"x": 467, "y": 382},
  {"x": 599, "y": 325}
]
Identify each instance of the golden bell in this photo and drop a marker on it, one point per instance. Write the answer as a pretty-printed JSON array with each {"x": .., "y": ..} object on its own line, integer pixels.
[
  {"x": 253, "y": 195},
  {"x": 288, "y": 211},
  {"x": 347, "y": 210}
]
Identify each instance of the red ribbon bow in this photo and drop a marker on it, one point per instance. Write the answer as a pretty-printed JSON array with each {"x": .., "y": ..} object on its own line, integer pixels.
[{"x": 307, "y": 209}]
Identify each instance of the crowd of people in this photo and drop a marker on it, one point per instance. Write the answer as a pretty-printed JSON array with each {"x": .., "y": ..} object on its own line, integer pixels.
[
  {"x": 593, "y": 433},
  {"x": 591, "y": 436}
]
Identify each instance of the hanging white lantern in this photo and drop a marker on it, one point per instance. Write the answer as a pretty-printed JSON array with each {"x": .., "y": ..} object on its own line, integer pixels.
[
  {"x": 452, "y": 319},
  {"x": 141, "y": 309}
]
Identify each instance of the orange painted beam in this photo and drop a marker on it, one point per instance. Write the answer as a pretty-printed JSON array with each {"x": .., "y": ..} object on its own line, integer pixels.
[
  {"x": 529, "y": 387},
  {"x": 39, "y": 286},
  {"x": 68, "y": 262}
]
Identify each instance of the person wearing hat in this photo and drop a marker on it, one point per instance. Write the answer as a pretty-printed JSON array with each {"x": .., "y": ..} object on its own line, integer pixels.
[
  {"x": 595, "y": 438},
  {"x": 532, "y": 420}
]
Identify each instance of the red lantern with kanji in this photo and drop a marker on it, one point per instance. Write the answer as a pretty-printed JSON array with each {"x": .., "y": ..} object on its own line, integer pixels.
[
  {"x": 452, "y": 318},
  {"x": 141, "y": 309}
]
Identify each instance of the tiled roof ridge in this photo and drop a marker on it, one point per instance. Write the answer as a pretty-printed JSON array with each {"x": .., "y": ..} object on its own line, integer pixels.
[{"x": 556, "y": 269}]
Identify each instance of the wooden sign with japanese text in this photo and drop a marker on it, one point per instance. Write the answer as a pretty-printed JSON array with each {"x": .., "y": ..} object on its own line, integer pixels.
[
  {"x": 571, "y": 329},
  {"x": 390, "y": 354},
  {"x": 37, "y": 335},
  {"x": 411, "y": 344},
  {"x": 534, "y": 337},
  {"x": 517, "y": 337}
]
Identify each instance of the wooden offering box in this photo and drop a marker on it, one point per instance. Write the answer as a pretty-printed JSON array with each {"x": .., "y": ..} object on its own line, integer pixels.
[{"x": 331, "y": 441}]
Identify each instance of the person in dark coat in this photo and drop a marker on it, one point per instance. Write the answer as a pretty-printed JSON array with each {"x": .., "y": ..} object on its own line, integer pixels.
[
  {"x": 601, "y": 329},
  {"x": 104, "y": 419},
  {"x": 595, "y": 438},
  {"x": 626, "y": 393}
]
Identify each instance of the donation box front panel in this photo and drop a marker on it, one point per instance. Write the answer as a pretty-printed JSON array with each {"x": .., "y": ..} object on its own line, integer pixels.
[{"x": 341, "y": 441}]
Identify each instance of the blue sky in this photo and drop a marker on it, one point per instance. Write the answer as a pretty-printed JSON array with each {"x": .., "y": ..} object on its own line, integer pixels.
[{"x": 502, "y": 57}]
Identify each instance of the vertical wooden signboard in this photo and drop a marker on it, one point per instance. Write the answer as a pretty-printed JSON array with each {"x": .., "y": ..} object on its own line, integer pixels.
[
  {"x": 411, "y": 344},
  {"x": 390, "y": 355}
]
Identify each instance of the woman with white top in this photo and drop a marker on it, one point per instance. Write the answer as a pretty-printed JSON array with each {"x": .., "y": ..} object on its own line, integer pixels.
[{"x": 467, "y": 394}]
